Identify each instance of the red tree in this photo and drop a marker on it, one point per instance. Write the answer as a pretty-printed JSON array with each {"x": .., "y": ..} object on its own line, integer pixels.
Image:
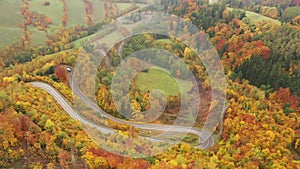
[{"x": 60, "y": 72}]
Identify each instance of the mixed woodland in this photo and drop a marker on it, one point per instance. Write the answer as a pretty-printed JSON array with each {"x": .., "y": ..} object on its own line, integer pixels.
[{"x": 262, "y": 64}]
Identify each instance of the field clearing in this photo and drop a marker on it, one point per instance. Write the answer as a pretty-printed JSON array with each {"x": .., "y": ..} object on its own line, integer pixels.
[
  {"x": 76, "y": 13},
  {"x": 123, "y": 6},
  {"x": 9, "y": 36},
  {"x": 37, "y": 37},
  {"x": 54, "y": 11},
  {"x": 156, "y": 78},
  {"x": 9, "y": 13},
  {"x": 141, "y": 5},
  {"x": 98, "y": 14},
  {"x": 9, "y": 19},
  {"x": 256, "y": 17},
  {"x": 165, "y": 41},
  {"x": 13, "y": 35}
]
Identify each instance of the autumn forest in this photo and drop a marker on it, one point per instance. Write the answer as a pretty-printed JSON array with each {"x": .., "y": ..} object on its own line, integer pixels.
[{"x": 46, "y": 122}]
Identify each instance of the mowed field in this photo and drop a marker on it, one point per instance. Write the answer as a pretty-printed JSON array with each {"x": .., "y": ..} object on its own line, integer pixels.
[
  {"x": 98, "y": 7},
  {"x": 76, "y": 12},
  {"x": 54, "y": 11},
  {"x": 256, "y": 17},
  {"x": 157, "y": 78},
  {"x": 10, "y": 18},
  {"x": 123, "y": 6}
]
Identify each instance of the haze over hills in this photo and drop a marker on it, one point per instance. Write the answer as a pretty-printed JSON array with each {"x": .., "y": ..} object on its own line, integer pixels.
[{"x": 60, "y": 107}]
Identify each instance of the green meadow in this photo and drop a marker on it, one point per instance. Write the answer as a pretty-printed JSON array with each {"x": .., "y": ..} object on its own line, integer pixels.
[
  {"x": 157, "y": 78},
  {"x": 9, "y": 19},
  {"x": 256, "y": 17}
]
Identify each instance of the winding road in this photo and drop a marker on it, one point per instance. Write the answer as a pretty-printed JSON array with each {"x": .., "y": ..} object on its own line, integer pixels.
[{"x": 206, "y": 138}]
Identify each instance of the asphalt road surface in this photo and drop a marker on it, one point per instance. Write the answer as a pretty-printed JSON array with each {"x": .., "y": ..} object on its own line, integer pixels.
[{"x": 206, "y": 138}]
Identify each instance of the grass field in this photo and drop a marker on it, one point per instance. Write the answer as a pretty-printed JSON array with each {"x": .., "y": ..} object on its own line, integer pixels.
[
  {"x": 54, "y": 11},
  {"x": 164, "y": 41},
  {"x": 98, "y": 7},
  {"x": 9, "y": 36},
  {"x": 123, "y": 6},
  {"x": 37, "y": 37},
  {"x": 9, "y": 13},
  {"x": 157, "y": 78},
  {"x": 9, "y": 19},
  {"x": 256, "y": 17},
  {"x": 76, "y": 12}
]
